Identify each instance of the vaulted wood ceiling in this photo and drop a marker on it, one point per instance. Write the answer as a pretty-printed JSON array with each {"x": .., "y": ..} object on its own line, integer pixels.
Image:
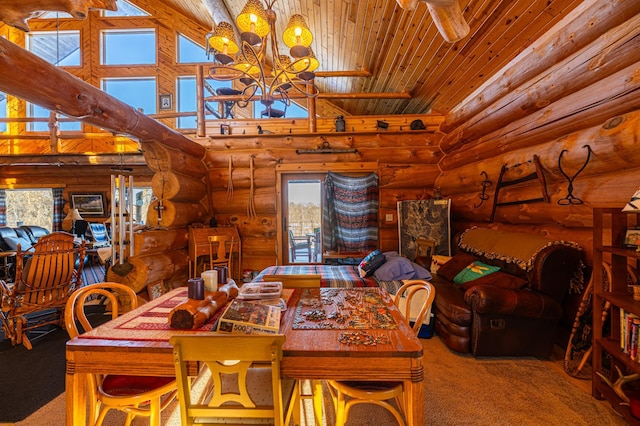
[{"x": 402, "y": 50}]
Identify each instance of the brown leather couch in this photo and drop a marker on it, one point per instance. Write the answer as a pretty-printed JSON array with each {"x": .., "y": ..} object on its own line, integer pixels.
[{"x": 516, "y": 312}]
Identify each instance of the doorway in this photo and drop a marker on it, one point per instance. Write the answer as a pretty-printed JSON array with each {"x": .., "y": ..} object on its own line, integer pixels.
[{"x": 302, "y": 217}]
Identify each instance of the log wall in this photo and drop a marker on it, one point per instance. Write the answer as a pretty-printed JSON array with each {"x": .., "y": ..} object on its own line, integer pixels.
[
  {"x": 572, "y": 101},
  {"x": 407, "y": 166},
  {"x": 579, "y": 114}
]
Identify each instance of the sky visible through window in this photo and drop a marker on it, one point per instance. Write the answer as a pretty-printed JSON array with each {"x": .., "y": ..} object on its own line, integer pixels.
[{"x": 136, "y": 46}]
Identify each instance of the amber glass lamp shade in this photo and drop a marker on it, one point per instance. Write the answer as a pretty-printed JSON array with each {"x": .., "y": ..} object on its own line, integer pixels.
[
  {"x": 252, "y": 21},
  {"x": 306, "y": 66},
  {"x": 223, "y": 41},
  {"x": 297, "y": 36}
]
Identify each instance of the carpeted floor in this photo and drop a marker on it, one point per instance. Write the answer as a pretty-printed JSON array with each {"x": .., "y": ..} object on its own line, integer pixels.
[
  {"x": 460, "y": 390},
  {"x": 30, "y": 379}
]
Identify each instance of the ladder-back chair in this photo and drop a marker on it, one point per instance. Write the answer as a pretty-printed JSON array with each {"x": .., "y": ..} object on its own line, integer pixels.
[
  {"x": 135, "y": 395},
  {"x": 349, "y": 393},
  {"x": 46, "y": 275},
  {"x": 245, "y": 385},
  {"x": 221, "y": 251}
]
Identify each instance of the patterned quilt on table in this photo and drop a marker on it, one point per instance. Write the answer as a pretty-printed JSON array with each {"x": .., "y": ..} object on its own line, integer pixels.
[{"x": 336, "y": 276}]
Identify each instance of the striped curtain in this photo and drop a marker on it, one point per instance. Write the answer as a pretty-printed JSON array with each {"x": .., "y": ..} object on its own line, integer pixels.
[
  {"x": 350, "y": 213},
  {"x": 58, "y": 209},
  {"x": 3, "y": 207}
]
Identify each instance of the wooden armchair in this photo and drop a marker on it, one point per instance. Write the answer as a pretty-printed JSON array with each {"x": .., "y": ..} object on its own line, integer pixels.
[{"x": 45, "y": 277}]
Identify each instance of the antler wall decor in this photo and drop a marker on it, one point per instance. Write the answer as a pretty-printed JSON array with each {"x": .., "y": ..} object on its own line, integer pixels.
[{"x": 447, "y": 16}]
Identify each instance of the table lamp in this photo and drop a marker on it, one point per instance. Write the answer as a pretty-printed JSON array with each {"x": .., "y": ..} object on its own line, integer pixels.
[
  {"x": 72, "y": 216},
  {"x": 634, "y": 203}
]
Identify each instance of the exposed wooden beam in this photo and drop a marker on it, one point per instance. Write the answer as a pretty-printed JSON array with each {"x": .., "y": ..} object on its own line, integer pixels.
[
  {"x": 296, "y": 95},
  {"x": 446, "y": 15},
  {"x": 16, "y": 12},
  {"x": 131, "y": 159}
]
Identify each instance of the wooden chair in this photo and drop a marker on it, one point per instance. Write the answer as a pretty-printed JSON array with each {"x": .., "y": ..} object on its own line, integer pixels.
[
  {"x": 135, "y": 395},
  {"x": 46, "y": 275},
  {"x": 304, "y": 281},
  {"x": 220, "y": 251},
  {"x": 295, "y": 280},
  {"x": 380, "y": 393},
  {"x": 255, "y": 393},
  {"x": 297, "y": 244}
]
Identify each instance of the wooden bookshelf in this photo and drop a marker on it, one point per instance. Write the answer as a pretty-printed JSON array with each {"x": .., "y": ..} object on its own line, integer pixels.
[{"x": 609, "y": 230}]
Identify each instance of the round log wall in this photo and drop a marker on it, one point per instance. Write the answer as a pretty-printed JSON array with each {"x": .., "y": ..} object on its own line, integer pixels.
[{"x": 578, "y": 112}]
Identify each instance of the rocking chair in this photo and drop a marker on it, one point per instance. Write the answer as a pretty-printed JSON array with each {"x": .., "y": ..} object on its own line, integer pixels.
[{"x": 45, "y": 277}]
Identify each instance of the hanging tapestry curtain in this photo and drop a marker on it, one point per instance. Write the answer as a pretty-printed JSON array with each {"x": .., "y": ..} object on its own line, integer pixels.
[
  {"x": 58, "y": 209},
  {"x": 3, "y": 207},
  {"x": 350, "y": 213}
]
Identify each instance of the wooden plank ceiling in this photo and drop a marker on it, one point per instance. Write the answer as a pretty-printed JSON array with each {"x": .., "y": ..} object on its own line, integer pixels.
[{"x": 401, "y": 49}]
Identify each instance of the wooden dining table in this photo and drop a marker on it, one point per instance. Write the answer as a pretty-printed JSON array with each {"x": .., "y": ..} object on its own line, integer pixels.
[{"x": 339, "y": 334}]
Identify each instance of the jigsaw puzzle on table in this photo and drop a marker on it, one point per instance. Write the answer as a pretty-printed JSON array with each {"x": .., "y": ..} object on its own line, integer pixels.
[{"x": 353, "y": 309}]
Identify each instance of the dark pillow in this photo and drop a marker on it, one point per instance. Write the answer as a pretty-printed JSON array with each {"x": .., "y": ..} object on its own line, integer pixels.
[
  {"x": 370, "y": 263},
  {"x": 395, "y": 268},
  {"x": 498, "y": 279},
  {"x": 456, "y": 264},
  {"x": 474, "y": 271}
]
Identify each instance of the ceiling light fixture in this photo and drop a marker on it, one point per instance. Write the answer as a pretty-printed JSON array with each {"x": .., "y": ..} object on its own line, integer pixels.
[{"x": 246, "y": 62}]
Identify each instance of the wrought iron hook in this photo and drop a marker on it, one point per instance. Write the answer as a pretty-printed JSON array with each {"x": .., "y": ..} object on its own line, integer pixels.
[{"x": 570, "y": 198}]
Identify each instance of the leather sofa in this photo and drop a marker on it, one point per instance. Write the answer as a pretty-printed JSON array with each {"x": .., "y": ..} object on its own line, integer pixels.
[
  {"x": 512, "y": 312},
  {"x": 26, "y": 236}
]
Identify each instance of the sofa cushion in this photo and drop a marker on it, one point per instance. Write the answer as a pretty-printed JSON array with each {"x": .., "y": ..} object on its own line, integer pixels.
[
  {"x": 370, "y": 263},
  {"x": 457, "y": 263},
  {"x": 12, "y": 242},
  {"x": 474, "y": 271},
  {"x": 498, "y": 279}
]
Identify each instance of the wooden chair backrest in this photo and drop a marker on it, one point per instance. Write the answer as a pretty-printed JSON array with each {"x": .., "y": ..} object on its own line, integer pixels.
[
  {"x": 220, "y": 249},
  {"x": 295, "y": 280},
  {"x": 46, "y": 274},
  {"x": 240, "y": 352},
  {"x": 75, "y": 309},
  {"x": 413, "y": 288}
]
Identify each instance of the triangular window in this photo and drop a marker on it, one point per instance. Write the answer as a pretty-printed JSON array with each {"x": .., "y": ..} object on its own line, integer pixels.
[{"x": 125, "y": 9}]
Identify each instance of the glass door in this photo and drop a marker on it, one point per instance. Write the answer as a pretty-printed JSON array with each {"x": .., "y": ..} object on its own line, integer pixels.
[{"x": 302, "y": 213}]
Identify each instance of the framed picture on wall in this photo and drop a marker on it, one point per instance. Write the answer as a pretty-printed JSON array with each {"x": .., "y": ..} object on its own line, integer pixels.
[{"x": 89, "y": 204}]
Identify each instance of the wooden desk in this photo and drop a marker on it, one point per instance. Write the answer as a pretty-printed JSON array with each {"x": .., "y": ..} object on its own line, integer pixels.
[
  {"x": 127, "y": 345},
  {"x": 199, "y": 246}
]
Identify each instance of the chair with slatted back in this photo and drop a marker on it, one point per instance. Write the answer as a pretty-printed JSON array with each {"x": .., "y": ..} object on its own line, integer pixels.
[
  {"x": 143, "y": 396},
  {"x": 309, "y": 389},
  {"x": 46, "y": 274},
  {"x": 245, "y": 385},
  {"x": 346, "y": 394},
  {"x": 220, "y": 251}
]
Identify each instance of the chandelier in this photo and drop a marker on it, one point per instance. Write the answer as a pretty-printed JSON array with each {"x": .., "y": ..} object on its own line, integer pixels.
[{"x": 246, "y": 62}]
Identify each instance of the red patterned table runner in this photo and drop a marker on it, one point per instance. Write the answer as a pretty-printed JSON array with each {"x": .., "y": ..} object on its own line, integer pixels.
[{"x": 149, "y": 321}]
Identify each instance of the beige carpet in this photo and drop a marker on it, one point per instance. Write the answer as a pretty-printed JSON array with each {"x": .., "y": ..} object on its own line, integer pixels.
[{"x": 460, "y": 390}]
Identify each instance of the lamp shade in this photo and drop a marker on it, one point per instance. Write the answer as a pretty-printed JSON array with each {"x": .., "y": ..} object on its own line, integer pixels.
[
  {"x": 634, "y": 203},
  {"x": 73, "y": 214},
  {"x": 223, "y": 40},
  {"x": 252, "y": 21},
  {"x": 308, "y": 63},
  {"x": 297, "y": 32}
]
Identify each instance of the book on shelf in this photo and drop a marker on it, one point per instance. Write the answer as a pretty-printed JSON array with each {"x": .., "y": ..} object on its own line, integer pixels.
[
  {"x": 250, "y": 317},
  {"x": 629, "y": 334}
]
